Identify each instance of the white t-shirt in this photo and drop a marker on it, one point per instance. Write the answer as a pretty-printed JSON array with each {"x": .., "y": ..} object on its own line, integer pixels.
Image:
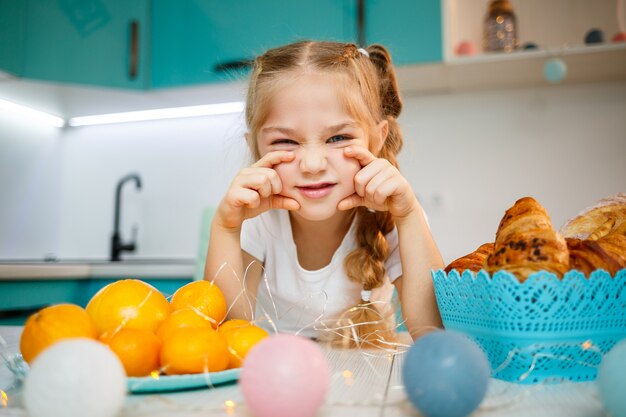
[{"x": 297, "y": 300}]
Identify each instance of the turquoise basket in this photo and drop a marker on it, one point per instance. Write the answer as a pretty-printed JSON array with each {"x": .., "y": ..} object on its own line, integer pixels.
[{"x": 541, "y": 330}]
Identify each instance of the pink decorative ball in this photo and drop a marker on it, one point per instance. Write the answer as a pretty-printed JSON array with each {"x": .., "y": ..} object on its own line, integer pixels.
[
  {"x": 284, "y": 376},
  {"x": 619, "y": 37},
  {"x": 466, "y": 48}
]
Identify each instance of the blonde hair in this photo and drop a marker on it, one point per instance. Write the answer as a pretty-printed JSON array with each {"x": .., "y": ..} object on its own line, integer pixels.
[{"x": 371, "y": 95}]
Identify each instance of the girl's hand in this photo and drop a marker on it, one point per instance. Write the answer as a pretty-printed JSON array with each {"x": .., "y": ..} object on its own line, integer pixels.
[
  {"x": 255, "y": 190},
  {"x": 378, "y": 186}
]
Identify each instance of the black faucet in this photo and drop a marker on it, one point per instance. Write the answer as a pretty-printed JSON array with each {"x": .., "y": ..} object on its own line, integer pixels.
[{"x": 117, "y": 247}]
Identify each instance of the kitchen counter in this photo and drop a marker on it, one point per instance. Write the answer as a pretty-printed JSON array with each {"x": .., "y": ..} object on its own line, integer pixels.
[
  {"x": 88, "y": 269},
  {"x": 372, "y": 387}
]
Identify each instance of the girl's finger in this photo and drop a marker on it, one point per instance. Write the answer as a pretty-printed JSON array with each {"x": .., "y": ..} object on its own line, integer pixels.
[
  {"x": 265, "y": 180},
  {"x": 274, "y": 158},
  {"x": 386, "y": 190},
  {"x": 282, "y": 202},
  {"x": 381, "y": 177},
  {"x": 361, "y": 154},
  {"x": 245, "y": 197},
  {"x": 365, "y": 175},
  {"x": 350, "y": 202}
]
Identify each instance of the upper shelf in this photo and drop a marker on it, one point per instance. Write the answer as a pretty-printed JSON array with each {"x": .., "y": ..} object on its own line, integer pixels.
[{"x": 605, "y": 62}]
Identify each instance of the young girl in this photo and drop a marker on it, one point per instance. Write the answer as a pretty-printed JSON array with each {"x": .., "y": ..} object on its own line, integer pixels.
[{"x": 323, "y": 221}]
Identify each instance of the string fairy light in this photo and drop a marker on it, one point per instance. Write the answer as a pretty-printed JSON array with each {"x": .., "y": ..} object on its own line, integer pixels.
[
  {"x": 4, "y": 399},
  {"x": 371, "y": 356}
]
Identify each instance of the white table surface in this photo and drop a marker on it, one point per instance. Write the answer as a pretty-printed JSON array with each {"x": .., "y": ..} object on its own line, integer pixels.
[{"x": 374, "y": 389}]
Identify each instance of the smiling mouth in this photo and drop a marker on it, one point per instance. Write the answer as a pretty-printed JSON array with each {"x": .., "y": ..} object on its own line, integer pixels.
[
  {"x": 319, "y": 190},
  {"x": 316, "y": 186}
]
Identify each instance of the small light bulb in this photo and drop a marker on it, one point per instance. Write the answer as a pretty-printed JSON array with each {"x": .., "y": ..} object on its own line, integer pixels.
[{"x": 230, "y": 407}]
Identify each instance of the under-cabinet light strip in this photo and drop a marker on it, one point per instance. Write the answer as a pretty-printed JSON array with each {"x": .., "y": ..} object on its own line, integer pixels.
[
  {"x": 31, "y": 113},
  {"x": 156, "y": 114},
  {"x": 133, "y": 116}
]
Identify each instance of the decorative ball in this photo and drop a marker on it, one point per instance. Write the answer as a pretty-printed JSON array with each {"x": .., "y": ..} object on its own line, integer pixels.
[
  {"x": 75, "y": 378},
  {"x": 529, "y": 46},
  {"x": 594, "y": 36},
  {"x": 612, "y": 379},
  {"x": 445, "y": 374},
  {"x": 555, "y": 70},
  {"x": 284, "y": 376},
  {"x": 466, "y": 48},
  {"x": 619, "y": 37}
]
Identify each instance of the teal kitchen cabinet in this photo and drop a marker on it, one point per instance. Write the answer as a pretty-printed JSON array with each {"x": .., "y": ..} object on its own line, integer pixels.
[
  {"x": 410, "y": 29},
  {"x": 145, "y": 44},
  {"x": 12, "y": 36},
  {"x": 19, "y": 298},
  {"x": 201, "y": 41},
  {"x": 94, "y": 42}
]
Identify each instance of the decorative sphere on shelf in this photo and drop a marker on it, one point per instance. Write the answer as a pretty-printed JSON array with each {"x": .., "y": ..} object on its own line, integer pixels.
[
  {"x": 284, "y": 376},
  {"x": 619, "y": 37},
  {"x": 555, "y": 70},
  {"x": 466, "y": 48},
  {"x": 445, "y": 374},
  {"x": 594, "y": 36},
  {"x": 75, "y": 378},
  {"x": 612, "y": 380}
]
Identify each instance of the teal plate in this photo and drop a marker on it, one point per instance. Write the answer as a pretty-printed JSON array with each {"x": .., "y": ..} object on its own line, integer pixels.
[{"x": 181, "y": 382}]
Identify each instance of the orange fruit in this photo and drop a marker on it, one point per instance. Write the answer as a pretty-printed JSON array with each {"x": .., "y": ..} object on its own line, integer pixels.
[
  {"x": 128, "y": 303},
  {"x": 205, "y": 297},
  {"x": 182, "y": 318},
  {"x": 138, "y": 349},
  {"x": 240, "y": 340},
  {"x": 233, "y": 324},
  {"x": 193, "y": 350},
  {"x": 52, "y": 324}
]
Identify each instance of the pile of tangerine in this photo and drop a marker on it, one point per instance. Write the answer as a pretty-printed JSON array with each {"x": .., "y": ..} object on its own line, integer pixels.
[{"x": 148, "y": 334}]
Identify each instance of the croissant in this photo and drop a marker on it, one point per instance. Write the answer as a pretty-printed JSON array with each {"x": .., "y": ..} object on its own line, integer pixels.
[
  {"x": 597, "y": 221},
  {"x": 607, "y": 252},
  {"x": 526, "y": 242},
  {"x": 474, "y": 261}
]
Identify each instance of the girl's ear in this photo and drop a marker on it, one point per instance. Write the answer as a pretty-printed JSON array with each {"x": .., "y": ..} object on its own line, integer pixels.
[{"x": 380, "y": 136}]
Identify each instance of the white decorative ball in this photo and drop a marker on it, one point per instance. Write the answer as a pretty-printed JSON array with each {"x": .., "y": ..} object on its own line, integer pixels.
[{"x": 75, "y": 378}]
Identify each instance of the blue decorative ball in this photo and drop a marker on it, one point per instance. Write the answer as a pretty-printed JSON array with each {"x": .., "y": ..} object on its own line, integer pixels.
[
  {"x": 555, "y": 70},
  {"x": 612, "y": 380},
  {"x": 445, "y": 374},
  {"x": 594, "y": 36}
]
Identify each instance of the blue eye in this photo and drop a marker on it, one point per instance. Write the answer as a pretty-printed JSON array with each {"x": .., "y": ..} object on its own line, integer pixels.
[{"x": 337, "y": 138}]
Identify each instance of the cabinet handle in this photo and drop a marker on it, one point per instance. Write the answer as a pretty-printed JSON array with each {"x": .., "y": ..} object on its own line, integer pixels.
[
  {"x": 233, "y": 65},
  {"x": 134, "y": 50},
  {"x": 360, "y": 23}
]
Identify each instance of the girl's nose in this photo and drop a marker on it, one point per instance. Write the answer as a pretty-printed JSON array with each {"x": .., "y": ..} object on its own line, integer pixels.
[{"x": 313, "y": 160}]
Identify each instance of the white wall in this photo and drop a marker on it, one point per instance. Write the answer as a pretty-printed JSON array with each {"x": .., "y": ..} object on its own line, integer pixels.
[
  {"x": 563, "y": 145},
  {"x": 30, "y": 183},
  {"x": 469, "y": 157},
  {"x": 185, "y": 165}
]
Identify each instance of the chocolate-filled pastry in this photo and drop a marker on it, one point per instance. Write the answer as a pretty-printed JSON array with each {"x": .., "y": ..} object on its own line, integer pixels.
[
  {"x": 597, "y": 221},
  {"x": 607, "y": 252},
  {"x": 526, "y": 242},
  {"x": 474, "y": 261}
]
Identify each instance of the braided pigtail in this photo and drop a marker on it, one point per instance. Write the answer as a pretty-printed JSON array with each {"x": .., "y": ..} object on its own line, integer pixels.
[{"x": 371, "y": 322}]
